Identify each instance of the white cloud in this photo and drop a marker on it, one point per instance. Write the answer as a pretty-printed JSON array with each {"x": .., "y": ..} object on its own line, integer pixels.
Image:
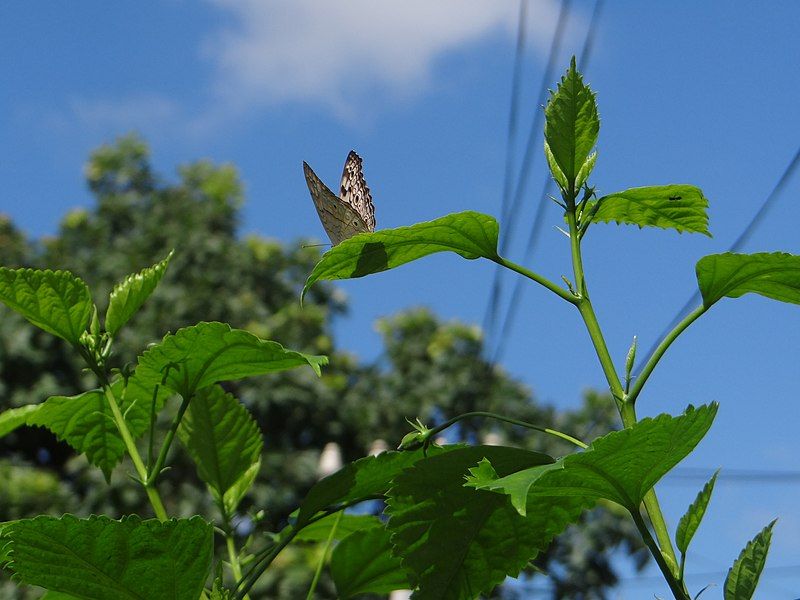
[
  {"x": 338, "y": 53},
  {"x": 144, "y": 112}
]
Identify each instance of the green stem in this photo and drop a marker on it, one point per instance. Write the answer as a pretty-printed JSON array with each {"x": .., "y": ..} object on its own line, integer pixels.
[
  {"x": 130, "y": 446},
  {"x": 324, "y": 558},
  {"x": 162, "y": 455},
  {"x": 652, "y": 361},
  {"x": 626, "y": 408},
  {"x": 675, "y": 585},
  {"x": 566, "y": 295},
  {"x": 261, "y": 565},
  {"x": 554, "y": 432},
  {"x": 233, "y": 558}
]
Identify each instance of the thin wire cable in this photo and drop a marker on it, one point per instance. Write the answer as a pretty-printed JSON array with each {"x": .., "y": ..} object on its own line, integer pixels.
[
  {"x": 511, "y": 136},
  {"x": 490, "y": 315},
  {"x": 541, "y": 208},
  {"x": 740, "y": 241}
]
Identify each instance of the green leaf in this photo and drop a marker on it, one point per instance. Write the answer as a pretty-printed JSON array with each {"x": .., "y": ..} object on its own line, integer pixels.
[
  {"x": 222, "y": 438},
  {"x": 368, "y": 476},
  {"x": 743, "y": 576},
  {"x": 55, "y": 301},
  {"x": 58, "y": 596},
  {"x": 694, "y": 515},
  {"x": 774, "y": 275},
  {"x": 129, "y": 295},
  {"x": 677, "y": 206},
  {"x": 621, "y": 466},
  {"x": 15, "y": 417},
  {"x": 459, "y": 542},
  {"x": 208, "y": 353},
  {"x": 102, "y": 559},
  {"x": 363, "y": 563},
  {"x": 86, "y": 422},
  {"x": 318, "y": 531},
  {"x": 5, "y": 543},
  {"x": 469, "y": 234},
  {"x": 236, "y": 492},
  {"x": 571, "y": 124}
]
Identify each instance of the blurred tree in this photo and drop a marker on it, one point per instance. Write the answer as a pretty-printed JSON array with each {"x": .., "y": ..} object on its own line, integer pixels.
[{"x": 429, "y": 369}]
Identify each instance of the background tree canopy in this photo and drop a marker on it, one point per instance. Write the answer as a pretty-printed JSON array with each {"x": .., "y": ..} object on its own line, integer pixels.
[{"x": 429, "y": 369}]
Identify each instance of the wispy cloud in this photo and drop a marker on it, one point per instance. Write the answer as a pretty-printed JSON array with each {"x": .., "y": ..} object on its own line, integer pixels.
[{"x": 145, "y": 112}]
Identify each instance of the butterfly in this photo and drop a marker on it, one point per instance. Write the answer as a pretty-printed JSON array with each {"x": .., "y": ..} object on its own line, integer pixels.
[{"x": 349, "y": 213}]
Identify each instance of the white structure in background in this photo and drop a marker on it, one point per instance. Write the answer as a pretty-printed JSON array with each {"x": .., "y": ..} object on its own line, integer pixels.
[
  {"x": 377, "y": 447},
  {"x": 493, "y": 439},
  {"x": 400, "y": 595},
  {"x": 330, "y": 460}
]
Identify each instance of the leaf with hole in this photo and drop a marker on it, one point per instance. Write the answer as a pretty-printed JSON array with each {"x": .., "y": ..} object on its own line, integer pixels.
[
  {"x": 469, "y": 234},
  {"x": 208, "y": 353},
  {"x": 55, "y": 301},
  {"x": 128, "y": 296},
  {"x": 773, "y": 275},
  {"x": 743, "y": 576},
  {"x": 102, "y": 559},
  {"x": 677, "y": 206}
]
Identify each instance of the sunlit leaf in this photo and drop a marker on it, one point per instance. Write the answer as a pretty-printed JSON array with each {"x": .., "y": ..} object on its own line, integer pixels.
[
  {"x": 743, "y": 576},
  {"x": 774, "y": 275},
  {"x": 222, "y": 438},
  {"x": 458, "y": 542},
  {"x": 363, "y": 563},
  {"x": 102, "y": 559},
  {"x": 208, "y": 353},
  {"x": 319, "y": 530},
  {"x": 677, "y": 206},
  {"x": 241, "y": 486},
  {"x": 690, "y": 521},
  {"x": 621, "y": 466},
  {"x": 571, "y": 123},
  {"x": 469, "y": 234},
  {"x": 15, "y": 417},
  {"x": 55, "y": 301},
  {"x": 129, "y": 295}
]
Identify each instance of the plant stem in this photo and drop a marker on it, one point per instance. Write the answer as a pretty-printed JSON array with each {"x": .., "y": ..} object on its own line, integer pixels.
[
  {"x": 566, "y": 295},
  {"x": 233, "y": 558},
  {"x": 324, "y": 557},
  {"x": 162, "y": 454},
  {"x": 554, "y": 432},
  {"x": 258, "y": 569},
  {"x": 130, "y": 445},
  {"x": 652, "y": 361},
  {"x": 675, "y": 585},
  {"x": 624, "y": 405}
]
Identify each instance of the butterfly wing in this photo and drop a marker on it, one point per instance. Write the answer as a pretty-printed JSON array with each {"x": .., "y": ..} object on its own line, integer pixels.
[
  {"x": 354, "y": 190},
  {"x": 339, "y": 218}
]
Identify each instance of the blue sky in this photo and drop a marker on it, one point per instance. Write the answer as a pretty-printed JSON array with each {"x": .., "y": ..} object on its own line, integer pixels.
[{"x": 701, "y": 93}]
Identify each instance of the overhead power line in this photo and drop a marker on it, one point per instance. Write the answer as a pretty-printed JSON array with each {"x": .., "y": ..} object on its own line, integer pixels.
[
  {"x": 541, "y": 207},
  {"x": 737, "y": 245},
  {"x": 509, "y": 207}
]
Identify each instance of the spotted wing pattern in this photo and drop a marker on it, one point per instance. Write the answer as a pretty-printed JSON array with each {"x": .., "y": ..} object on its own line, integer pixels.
[
  {"x": 354, "y": 189},
  {"x": 342, "y": 217}
]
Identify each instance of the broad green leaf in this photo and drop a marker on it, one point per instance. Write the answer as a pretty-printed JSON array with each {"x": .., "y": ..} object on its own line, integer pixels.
[
  {"x": 363, "y": 563},
  {"x": 208, "y": 353},
  {"x": 366, "y": 477},
  {"x": 318, "y": 531},
  {"x": 129, "y": 295},
  {"x": 236, "y": 492},
  {"x": 621, "y": 466},
  {"x": 102, "y": 559},
  {"x": 58, "y": 596},
  {"x": 469, "y": 234},
  {"x": 571, "y": 124},
  {"x": 679, "y": 207},
  {"x": 222, "y": 438},
  {"x": 5, "y": 543},
  {"x": 55, "y": 301},
  {"x": 458, "y": 542},
  {"x": 743, "y": 576},
  {"x": 690, "y": 521},
  {"x": 15, "y": 417},
  {"x": 774, "y": 275},
  {"x": 86, "y": 422}
]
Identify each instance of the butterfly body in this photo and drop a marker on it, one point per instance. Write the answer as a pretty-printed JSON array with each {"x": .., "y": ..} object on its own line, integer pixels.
[{"x": 350, "y": 213}]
